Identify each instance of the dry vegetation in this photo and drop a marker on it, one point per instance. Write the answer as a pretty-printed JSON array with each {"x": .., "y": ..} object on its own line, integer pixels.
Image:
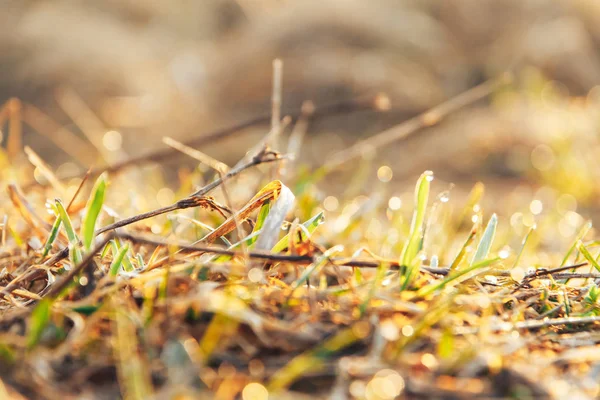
[
  {"x": 266, "y": 289},
  {"x": 308, "y": 267}
]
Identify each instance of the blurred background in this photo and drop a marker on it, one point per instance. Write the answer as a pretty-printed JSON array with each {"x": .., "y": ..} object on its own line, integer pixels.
[{"x": 94, "y": 83}]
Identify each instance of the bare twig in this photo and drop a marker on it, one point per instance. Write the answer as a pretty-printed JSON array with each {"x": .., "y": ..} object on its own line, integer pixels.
[
  {"x": 205, "y": 159},
  {"x": 64, "y": 139},
  {"x": 76, "y": 270},
  {"x": 44, "y": 169},
  {"x": 196, "y": 199},
  {"x": 83, "y": 181},
  {"x": 14, "y": 145},
  {"x": 261, "y": 158},
  {"x": 298, "y": 132},
  {"x": 299, "y": 259},
  {"x": 576, "y": 276},
  {"x": 82, "y": 115},
  {"x": 277, "y": 94},
  {"x": 428, "y": 118},
  {"x": 556, "y": 322},
  {"x": 26, "y": 209},
  {"x": 188, "y": 202},
  {"x": 354, "y": 105},
  {"x": 545, "y": 272},
  {"x": 530, "y": 324}
]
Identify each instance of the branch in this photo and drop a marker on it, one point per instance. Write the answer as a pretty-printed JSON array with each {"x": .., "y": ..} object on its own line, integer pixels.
[
  {"x": 196, "y": 199},
  {"x": 378, "y": 103},
  {"x": 426, "y": 119}
]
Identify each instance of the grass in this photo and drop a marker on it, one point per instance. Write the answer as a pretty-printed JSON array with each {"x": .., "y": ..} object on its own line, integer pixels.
[{"x": 374, "y": 294}]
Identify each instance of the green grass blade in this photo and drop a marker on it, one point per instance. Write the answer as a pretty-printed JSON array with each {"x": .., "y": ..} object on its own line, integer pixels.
[
  {"x": 584, "y": 230},
  {"x": 474, "y": 198},
  {"x": 15, "y": 235},
  {"x": 485, "y": 244},
  {"x": 71, "y": 235},
  {"x": 200, "y": 224},
  {"x": 74, "y": 251},
  {"x": 251, "y": 238},
  {"x": 132, "y": 367},
  {"x": 118, "y": 260},
  {"x": 415, "y": 236},
  {"x": 52, "y": 237},
  {"x": 379, "y": 275},
  {"x": 140, "y": 261},
  {"x": 39, "y": 319},
  {"x": 105, "y": 250},
  {"x": 116, "y": 247},
  {"x": 313, "y": 360},
  {"x": 260, "y": 221},
  {"x": 525, "y": 239},
  {"x": 93, "y": 207},
  {"x": 434, "y": 313},
  {"x": 463, "y": 251},
  {"x": 586, "y": 254},
  {"x": 427, "y": 290},
  {"x": 310, "y": 225},
  {"x": 322, "y": 260},
  {"x": 446, "y": 345}
]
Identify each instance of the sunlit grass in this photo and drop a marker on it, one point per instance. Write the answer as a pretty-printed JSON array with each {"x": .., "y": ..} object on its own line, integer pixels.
[{"x": 376, "y": 289}]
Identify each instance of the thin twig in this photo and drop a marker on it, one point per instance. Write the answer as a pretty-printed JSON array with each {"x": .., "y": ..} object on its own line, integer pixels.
[
  {"x": 298, "y": 132},
  {"x": 542, "y": 272},
  {"x": 261, "y": 158},
  {"x": 196, "y": 155},
  {"x": 85, "y": 178},
  {"x": 545, "y": 272},
  {"x": 277, "y": 94},
  {"x": 14, "y": 144},
  {"x": 196, "y": 199},
  {"x": 576, "y": 276},
  {"x": 212, "y": 249},
  {"x": 193, "y": 200},
  {"x": 44, "y": 169},
  {"x": 68, "y": 278},
  {"x": 81, "y": 150},
  {"x": 556, "y": 322},
  {"x": 426, "y": 119},
  {"x": 354, "y": 105},
  {"x": 530, "y": 324},
  {"x": 299, "y": 259}
]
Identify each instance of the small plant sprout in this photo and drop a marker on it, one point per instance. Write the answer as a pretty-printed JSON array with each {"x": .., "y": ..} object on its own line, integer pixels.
[{"x": 93, "y": 209}]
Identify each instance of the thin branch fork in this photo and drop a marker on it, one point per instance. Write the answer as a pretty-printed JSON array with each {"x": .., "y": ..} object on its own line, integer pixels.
[
  {"x": 377, "y": 102},
  {"x": 298, "y": 259},
  {"x": 196, "y": 199},
  {"x": 429, "y": 118}
]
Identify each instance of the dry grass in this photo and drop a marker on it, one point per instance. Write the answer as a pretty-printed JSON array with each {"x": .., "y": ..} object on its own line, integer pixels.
[{"x": 420, "y": 294}]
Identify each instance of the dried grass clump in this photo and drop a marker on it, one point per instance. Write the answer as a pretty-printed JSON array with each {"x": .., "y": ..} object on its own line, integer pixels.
[{"x": 257, "y": 285}]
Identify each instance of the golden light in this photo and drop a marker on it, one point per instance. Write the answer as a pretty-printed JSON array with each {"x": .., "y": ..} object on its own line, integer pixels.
[
  {"x": 394, "y": 203},
  {"x": 255, "y": 391},
  {"x": 385, "y": 173},
  {"x": 256, "y": 275},
  {"x": 331, "y": 203},
  {"x": 112, "y": 140}
]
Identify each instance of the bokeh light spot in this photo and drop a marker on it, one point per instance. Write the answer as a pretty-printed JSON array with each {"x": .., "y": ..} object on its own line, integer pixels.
[
  {"x": 385, "y": 173},
  {"x": 255, "y": 391},
  {"x": 112, "y": 140},
  {"x": 331, "y": 203}
]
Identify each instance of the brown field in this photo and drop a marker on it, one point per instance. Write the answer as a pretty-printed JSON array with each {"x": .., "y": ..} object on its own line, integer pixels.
[{"x": 284, "y": 200}]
